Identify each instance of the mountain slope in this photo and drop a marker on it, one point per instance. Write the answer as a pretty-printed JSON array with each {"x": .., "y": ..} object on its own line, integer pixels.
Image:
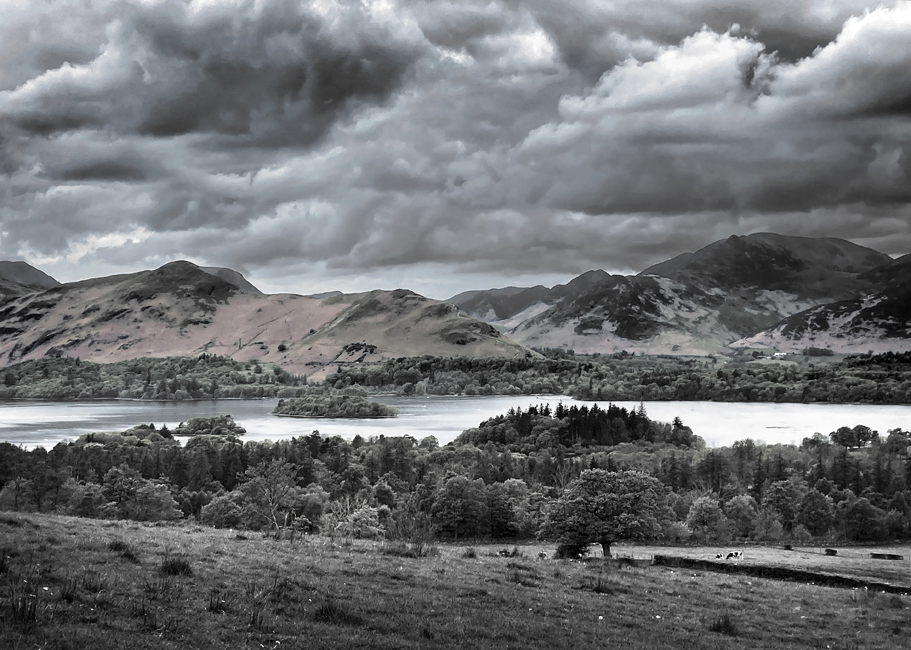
[
  {"x": 630, "y": 313},
  {"x": 180, "y": 309},
  {"x": 880, "y": 322},
  {"x": 20, "y": 277},
  {"x": 805, "y": 268},
  {"x": 233, "y": 277},
  {"x": 694, "y": 303}
]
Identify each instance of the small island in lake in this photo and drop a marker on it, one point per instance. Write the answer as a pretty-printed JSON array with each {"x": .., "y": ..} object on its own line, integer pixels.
[
  {"x": 220, "y": 425},
  {"x": 333, "y": 406}
]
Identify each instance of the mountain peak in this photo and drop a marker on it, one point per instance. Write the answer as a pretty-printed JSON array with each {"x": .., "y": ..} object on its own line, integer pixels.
[
  {"x": 771, "y": 261},
  {"x": 26, "y": 275},
  {"x": 234, "y": 277}
]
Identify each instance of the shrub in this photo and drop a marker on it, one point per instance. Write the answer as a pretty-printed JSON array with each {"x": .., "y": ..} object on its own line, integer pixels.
[
  {"x": 415, "y": 534},
  {"x": 600, "y": 585},
  {"x": 126, "y": 551},
  {"x": 724, "y": 624},
  {"x": 221, "y": 512},
  {"x": 363, "y": 523},
  {"x": 219, "y": 601},
  {"x": 175, "y": 566},
  {"x": 571, "y": 551},
  {"x": 24, "y": 609},
  {"x": 330, "y": 611},
  {"x": 94, "y": 582}
]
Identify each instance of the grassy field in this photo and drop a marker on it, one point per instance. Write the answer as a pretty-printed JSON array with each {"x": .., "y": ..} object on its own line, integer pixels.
[
  {"x": 84, "y": 584},
  {"x": 853, "y": 561}
]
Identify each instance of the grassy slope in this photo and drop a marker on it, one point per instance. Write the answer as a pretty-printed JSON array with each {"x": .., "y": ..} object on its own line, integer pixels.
[{"x": 323, "y": 593}]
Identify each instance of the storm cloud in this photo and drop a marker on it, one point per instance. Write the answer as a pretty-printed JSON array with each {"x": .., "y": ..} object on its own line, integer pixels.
[{"x": 487, "y": 140}]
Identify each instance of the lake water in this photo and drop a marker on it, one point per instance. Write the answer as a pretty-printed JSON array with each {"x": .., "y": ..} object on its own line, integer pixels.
[{"x": 46, "y": 423}]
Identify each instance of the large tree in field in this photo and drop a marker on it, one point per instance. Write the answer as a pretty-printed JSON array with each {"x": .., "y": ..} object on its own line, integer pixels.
[{"x": 605, "y": 507}]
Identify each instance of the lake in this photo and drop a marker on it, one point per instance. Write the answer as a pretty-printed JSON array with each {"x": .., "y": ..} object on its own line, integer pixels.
[{"x": 31, "y": 424}]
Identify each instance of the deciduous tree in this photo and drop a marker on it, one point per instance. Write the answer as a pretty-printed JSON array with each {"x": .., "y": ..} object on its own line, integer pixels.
[{"x": 605, "y": 507}]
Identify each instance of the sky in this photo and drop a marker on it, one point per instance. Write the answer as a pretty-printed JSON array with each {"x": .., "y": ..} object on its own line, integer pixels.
[{"x": 444, "y": 146}]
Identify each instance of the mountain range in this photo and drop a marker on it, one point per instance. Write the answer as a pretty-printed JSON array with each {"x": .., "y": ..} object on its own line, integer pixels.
[
  {"x": 182, "y": 309},
  {"x": 761, "y": 290}
]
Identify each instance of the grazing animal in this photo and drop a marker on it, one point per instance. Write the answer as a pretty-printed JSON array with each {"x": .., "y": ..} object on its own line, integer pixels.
[
  {"x": 732, "y": 555},
  {"x": 503, "y": 553},
  {"x": 542, "y": 555}
]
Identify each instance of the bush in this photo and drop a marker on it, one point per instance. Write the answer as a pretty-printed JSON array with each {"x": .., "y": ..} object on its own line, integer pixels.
[
  {"x": 571, "y": 551},
  {"x": 221, "y": 512},
  {"x": 801, "y": 534},
  {"x": 175, "y": 566},
  {"x": 330, "y": 611},
  {"x": 363, "y": 523},
  {"x": 126, "y": 551},
  {"x": 724, "y": 624}
]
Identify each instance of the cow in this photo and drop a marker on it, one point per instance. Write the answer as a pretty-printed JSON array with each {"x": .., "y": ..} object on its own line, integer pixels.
[
  {"x": 732, "y": 555},
  {"x": 542, "y": 555}
]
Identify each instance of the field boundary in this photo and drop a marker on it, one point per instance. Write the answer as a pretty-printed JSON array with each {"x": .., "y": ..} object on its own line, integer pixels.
[{"x": 778, "y": 573}]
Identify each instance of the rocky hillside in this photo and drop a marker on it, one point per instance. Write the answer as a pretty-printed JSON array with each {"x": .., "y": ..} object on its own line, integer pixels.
[
  {"x": 180, "y": 309},
  {"x": 879, "y": 321},
  {"x": 724, "y": 294}
]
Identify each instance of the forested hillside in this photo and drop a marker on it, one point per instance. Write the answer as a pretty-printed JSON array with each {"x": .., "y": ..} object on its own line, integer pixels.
[
  {"x": 178, "y": 378},
  {"x": 809, "y": 377},
  {"x": 869, "y": 379}
]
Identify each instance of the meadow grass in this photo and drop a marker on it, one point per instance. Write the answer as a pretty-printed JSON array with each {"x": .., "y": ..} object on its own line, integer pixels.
[{"x": 258, "y": 592}]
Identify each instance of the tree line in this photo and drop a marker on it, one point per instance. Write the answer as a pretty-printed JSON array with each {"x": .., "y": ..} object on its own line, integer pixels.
[
  {"x": 170, "y": 378},
  {"x": 800, "y": 378},
  {"x": 870, "y": 379},
  {"x": 506, "y": 479}
]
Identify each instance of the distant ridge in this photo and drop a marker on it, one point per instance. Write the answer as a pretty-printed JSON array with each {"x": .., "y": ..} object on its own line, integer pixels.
[
  {"x": 726, "y": 293},
  {"x": 182, "y": 309},
  {"x": 25, "y": 275},
  {"x": 762, "y": 290},
  {"x": 232, "y": 276}
]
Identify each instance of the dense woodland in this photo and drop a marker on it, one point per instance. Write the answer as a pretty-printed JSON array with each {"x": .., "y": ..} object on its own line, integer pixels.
[
  {"x": 809, "y": 377},
  {"x": 171, "y": 378},
  {"x": 497, "y": 481}
]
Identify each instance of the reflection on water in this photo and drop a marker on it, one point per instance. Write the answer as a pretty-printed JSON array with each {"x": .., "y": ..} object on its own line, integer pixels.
[{"x": 47, "y": 423}]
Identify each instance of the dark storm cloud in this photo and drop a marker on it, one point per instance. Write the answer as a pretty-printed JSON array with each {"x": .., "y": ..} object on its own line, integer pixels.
[
  {"x": 504, "y": 136},
  {"x": 274, "y": 73}
]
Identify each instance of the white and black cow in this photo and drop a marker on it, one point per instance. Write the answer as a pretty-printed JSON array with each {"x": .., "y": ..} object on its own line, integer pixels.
[{"x": 732, "y": 555}]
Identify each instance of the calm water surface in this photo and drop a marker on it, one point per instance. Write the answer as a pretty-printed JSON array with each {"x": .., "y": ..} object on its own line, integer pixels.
[{"x": 46, "y": 423}]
